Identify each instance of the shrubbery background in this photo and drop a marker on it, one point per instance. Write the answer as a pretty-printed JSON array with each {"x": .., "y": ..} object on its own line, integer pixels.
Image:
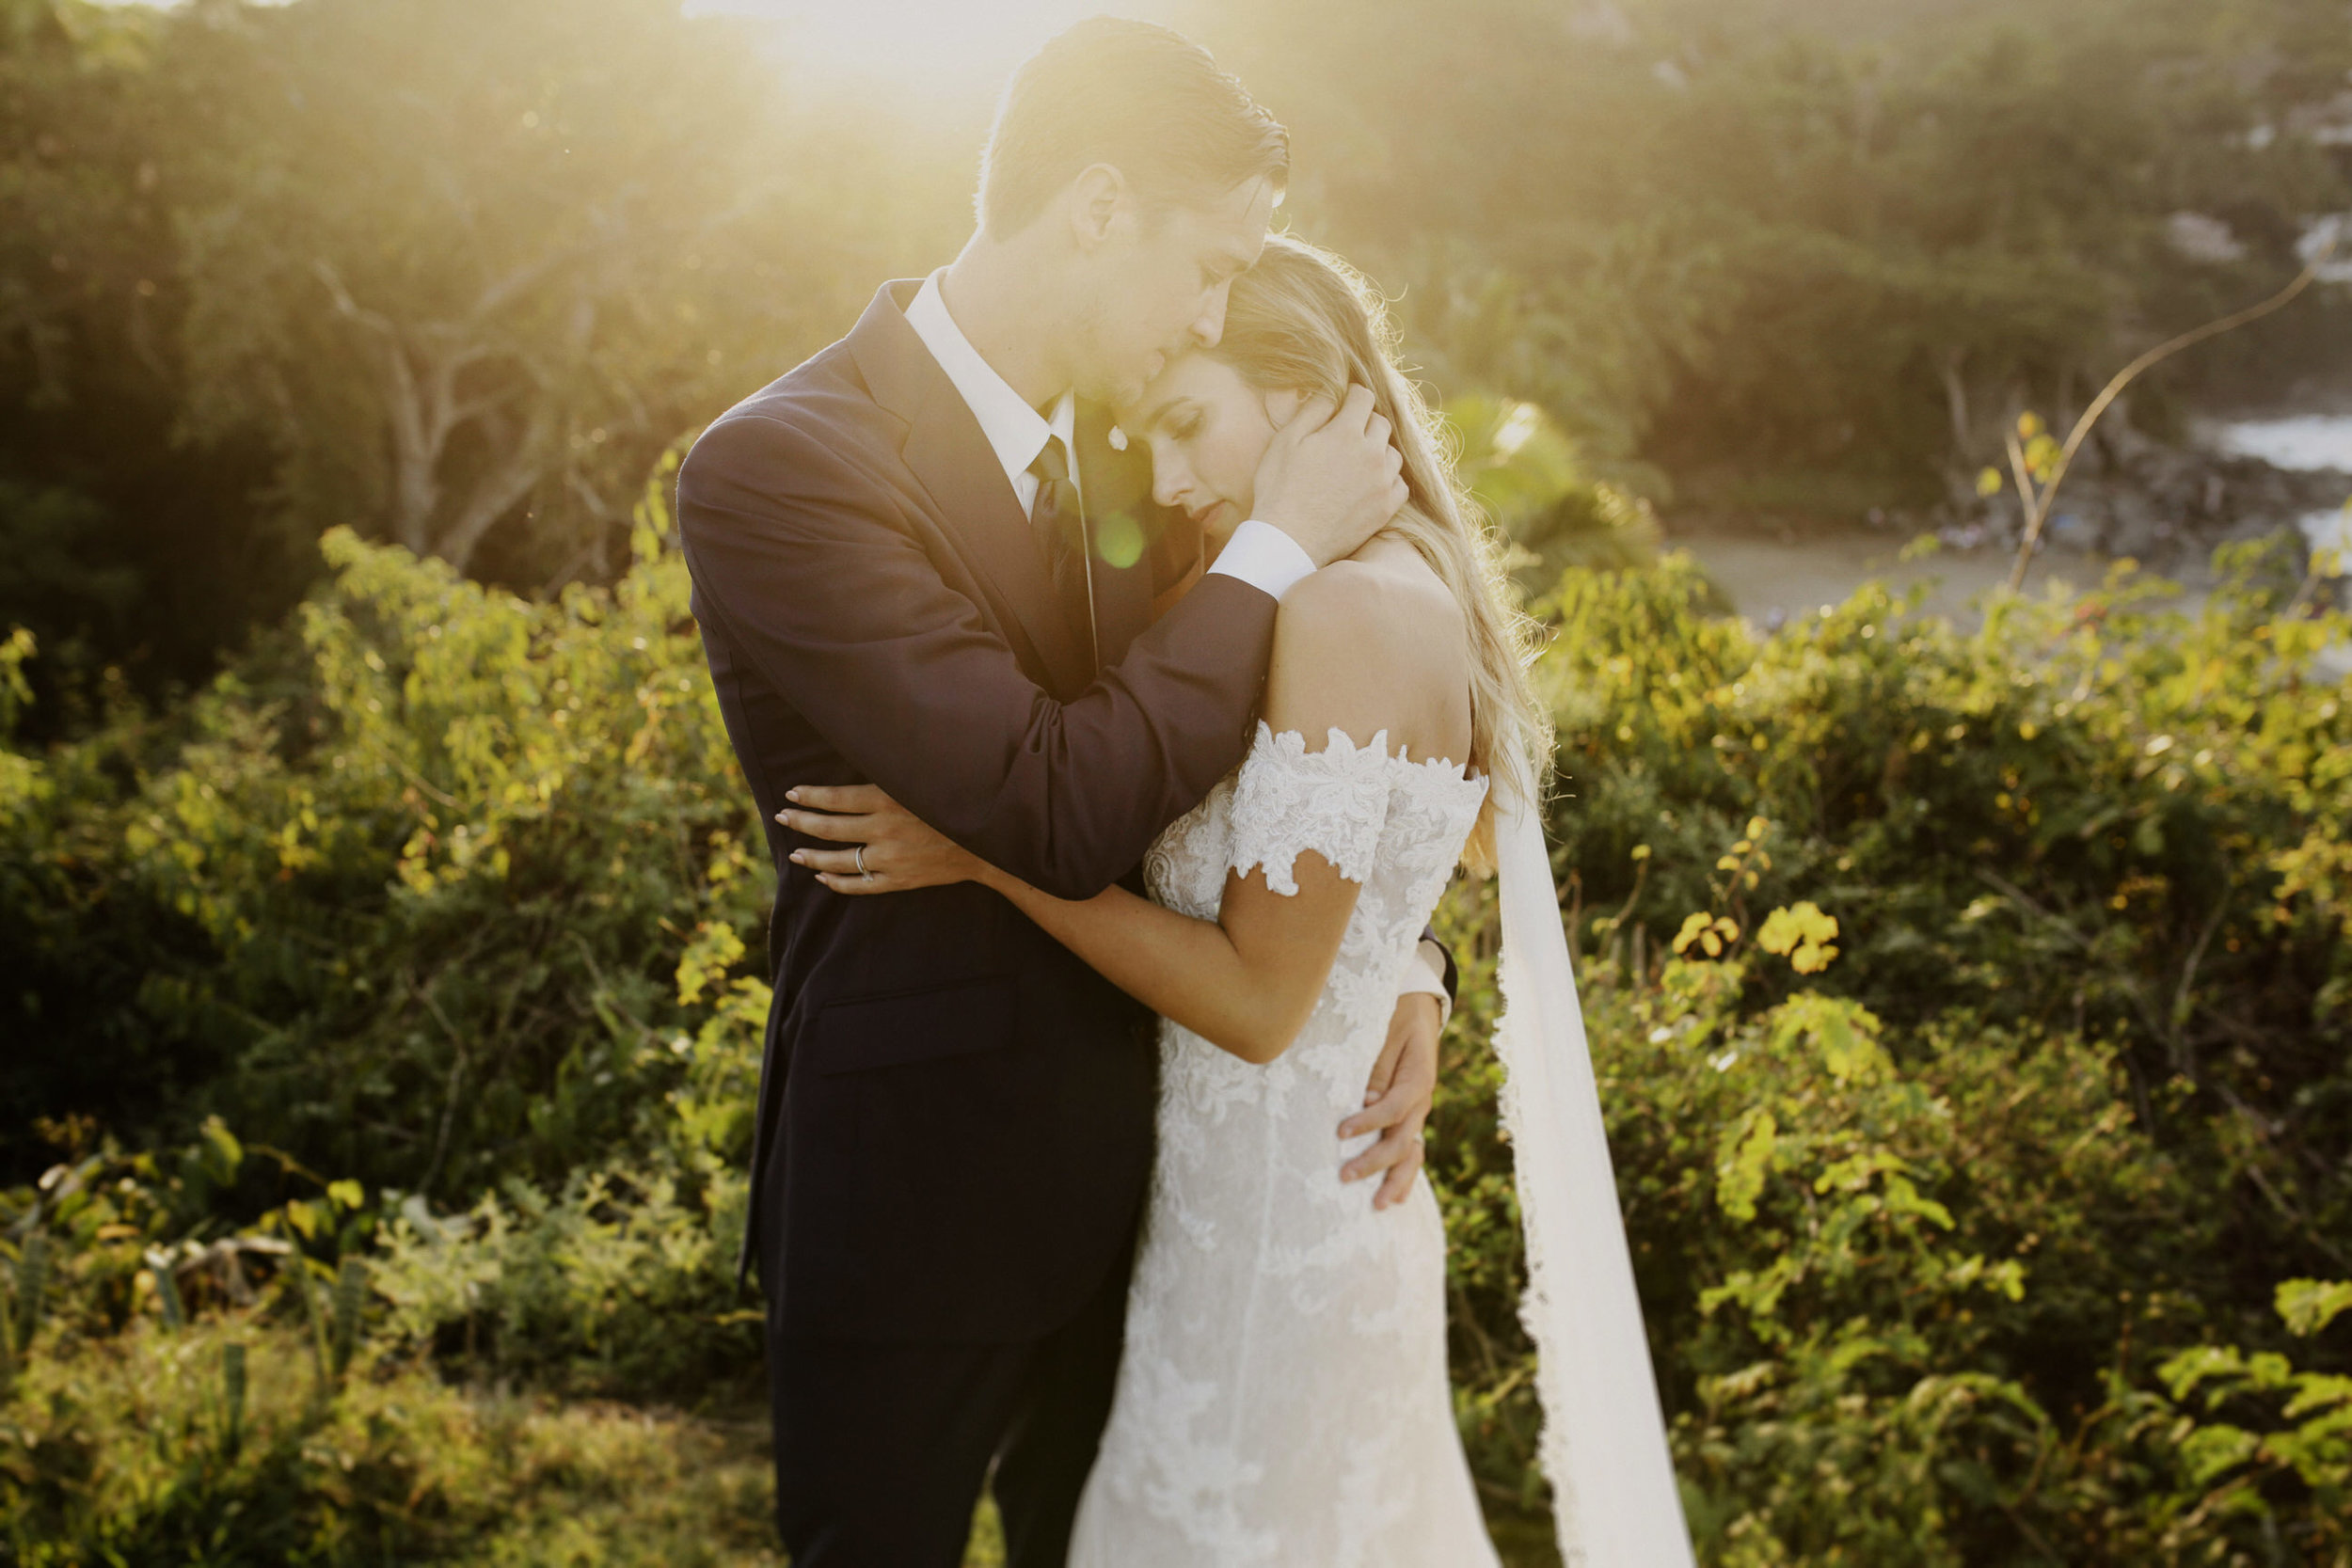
[
  {"x": 454, "y": 273},
  {"x": 1994, "y": 1225},
  {"x": 379, "y": 903}
]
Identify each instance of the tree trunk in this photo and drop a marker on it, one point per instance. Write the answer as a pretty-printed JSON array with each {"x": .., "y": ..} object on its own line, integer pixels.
[
  {"x": 495, "y": 492},
  {"x": 423, "y": 412},
  {"x": 416, "y": 488}
]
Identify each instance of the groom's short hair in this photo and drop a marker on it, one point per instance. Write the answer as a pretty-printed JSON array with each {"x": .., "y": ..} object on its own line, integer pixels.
[{"x": 1142, "y": 98}]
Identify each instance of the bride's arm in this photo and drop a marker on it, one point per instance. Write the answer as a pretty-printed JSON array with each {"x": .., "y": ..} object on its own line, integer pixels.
[
  {"x": 1248, "y": 981},
  {"x": 1397, "y": 1098},
  {"x": 1245, "y": 981}
]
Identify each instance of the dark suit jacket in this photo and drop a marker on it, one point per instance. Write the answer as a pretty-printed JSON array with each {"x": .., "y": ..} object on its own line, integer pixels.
[{"x": 955, "y": 1114}]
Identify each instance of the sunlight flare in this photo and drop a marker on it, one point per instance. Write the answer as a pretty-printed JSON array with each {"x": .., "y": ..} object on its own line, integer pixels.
[{"x": 920, "y": 46}]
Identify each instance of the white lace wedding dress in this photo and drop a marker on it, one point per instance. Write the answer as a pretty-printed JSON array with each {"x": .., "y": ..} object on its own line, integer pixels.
[{"x": 1282, "y": 1399}]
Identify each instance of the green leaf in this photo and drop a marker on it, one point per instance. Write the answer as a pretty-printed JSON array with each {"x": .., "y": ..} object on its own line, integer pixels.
[
  {"x": 1740, "y": 1177},
  {"x": 1845, "y": 1033},
  {"x": 2209, "y": 1452},
  {"x": 2308, "y": 1305},
  {"x": 716, "y": 948},
  {"x": 1516, "y": 461},
  {"x": 226, "y": 1153}
]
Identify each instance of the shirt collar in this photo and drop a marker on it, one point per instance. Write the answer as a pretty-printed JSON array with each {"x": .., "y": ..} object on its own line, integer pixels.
[{"x": 1015, "y": 432}]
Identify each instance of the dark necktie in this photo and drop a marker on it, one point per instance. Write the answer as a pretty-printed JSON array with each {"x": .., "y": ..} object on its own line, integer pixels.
[{"x": 1059, "y": 523}]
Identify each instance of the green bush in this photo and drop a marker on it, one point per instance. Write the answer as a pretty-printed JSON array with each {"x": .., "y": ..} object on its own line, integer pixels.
[
  {"x": 173, "y": 1389},
  {"x": 207, "y": 1446},
  {"x": 413, "y": 887},
  {"x": 1969, "y": 1011},
  {"x": 1857, "y": 1278},
  {"x": 622, "y": 1281},
  {"x": 2091, "y": 814},
  {"x": 1935, "y": 1220}
]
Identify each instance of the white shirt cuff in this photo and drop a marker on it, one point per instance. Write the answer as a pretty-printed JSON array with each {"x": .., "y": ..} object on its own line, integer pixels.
[
  {"x": 1425, "y": 976},
  {"x": 1266, "y": 557}
]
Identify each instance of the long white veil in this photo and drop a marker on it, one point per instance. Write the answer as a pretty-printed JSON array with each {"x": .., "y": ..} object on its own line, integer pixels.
[{"x": 1604, "y": 1442}]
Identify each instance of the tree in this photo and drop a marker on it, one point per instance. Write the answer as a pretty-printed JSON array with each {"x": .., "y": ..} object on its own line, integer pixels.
[
  {"x": 468, "y": 264},
  {"x": 118, "y": 545},
  {"x": 1815, "y": 234}
]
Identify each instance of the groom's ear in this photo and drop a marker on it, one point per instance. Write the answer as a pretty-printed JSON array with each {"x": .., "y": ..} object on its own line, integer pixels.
[{"x": 1101, "y": 205}]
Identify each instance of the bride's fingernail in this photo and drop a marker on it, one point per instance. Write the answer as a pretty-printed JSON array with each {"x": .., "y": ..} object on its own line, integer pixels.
[{"x": 793, "y": 796}]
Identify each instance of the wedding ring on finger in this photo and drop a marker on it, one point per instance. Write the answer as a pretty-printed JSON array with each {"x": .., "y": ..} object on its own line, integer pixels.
[{"x": 861, "y": 863}]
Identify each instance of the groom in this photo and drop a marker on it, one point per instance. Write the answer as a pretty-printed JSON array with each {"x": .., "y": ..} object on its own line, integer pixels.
[{"x": 920, "y": 564}]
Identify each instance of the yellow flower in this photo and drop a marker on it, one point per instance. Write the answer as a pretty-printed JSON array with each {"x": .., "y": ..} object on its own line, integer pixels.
[
  {"x": 1713, "y": 933},
  {"x": 2041, "y": 454},
  {"x": 1802, "y": 932}
]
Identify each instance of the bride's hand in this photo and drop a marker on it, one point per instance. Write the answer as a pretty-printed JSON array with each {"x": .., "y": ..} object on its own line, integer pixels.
[{"x": 902, "y": 851}]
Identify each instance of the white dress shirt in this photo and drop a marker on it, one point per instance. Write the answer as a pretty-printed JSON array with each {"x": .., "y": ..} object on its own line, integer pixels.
[{"x": 1259, "y": 553}]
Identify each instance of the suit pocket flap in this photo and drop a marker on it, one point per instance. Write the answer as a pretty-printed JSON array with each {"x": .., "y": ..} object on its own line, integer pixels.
[{"x": 860, "y": 1034}]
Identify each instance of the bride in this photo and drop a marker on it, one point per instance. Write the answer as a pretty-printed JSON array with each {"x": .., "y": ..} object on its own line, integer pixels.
[{"x": 1282, "y": 1399}]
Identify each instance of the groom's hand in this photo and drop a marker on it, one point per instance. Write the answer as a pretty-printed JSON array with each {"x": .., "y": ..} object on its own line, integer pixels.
[
  {"x": 1397, "y": 1101},
  {"x": 1331, "y": 477}
]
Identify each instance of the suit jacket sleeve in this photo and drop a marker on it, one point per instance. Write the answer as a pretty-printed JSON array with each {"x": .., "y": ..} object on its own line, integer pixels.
[
  {"x": 795, "y": 552},
  {"x": 1451, "y": 979}
]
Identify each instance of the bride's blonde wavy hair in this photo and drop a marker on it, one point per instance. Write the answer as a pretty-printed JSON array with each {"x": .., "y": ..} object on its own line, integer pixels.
[{"x": 1304, "y": 321}]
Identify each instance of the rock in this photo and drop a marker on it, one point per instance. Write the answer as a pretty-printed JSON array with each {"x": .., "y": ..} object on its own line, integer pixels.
[{"x": 2165, "y": 506}]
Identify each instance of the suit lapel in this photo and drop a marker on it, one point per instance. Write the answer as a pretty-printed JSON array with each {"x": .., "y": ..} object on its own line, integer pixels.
[{"x": 953, "y": 461}]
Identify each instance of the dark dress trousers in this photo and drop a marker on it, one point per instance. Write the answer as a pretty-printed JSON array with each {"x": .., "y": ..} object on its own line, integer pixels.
[{"x": 954, "y": 1114}]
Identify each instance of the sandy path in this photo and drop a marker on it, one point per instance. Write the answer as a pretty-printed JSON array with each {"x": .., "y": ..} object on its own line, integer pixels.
[
  {"x": 1764, "y": 571},
  {"x": 1763, "y": 574}
]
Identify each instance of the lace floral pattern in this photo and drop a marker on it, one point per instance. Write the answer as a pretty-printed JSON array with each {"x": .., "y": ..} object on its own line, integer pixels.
[{"x": 1282, "y": 1399}]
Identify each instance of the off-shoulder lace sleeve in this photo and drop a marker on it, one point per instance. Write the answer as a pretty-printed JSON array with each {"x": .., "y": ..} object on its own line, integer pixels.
[{"x": 1288, "y": 800}]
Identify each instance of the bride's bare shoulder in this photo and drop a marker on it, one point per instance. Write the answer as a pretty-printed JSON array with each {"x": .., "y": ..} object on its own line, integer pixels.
[
  {"x": 1386, "y": 598},
  {"x": 1370, "y": 645}
]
